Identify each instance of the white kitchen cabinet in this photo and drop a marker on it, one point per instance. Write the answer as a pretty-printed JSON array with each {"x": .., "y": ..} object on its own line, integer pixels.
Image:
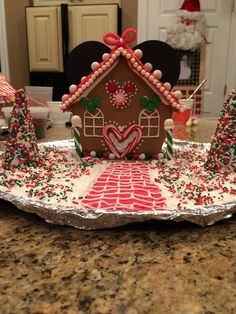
[
  {"x": 44, "y": 42},
  {"x": 50, "y": 2},
  {"x": 91, "y": 22},
  {"x": 86, "y": 22},
  {"x": 77, "y": 2}
]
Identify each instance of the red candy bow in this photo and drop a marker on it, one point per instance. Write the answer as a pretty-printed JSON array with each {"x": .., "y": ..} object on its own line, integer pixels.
[{"x": 113, "y": 39}]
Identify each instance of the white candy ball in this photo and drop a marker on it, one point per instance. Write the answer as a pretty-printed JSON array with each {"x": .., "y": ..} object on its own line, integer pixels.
[
  {"x": 111, "y": 156},
  {"x": 160, "y": 156},
  {"x": 72, "y": 88},
  {"x": 64, "y": 97},
  {"x": 138, "y": 53},
  {"x": 142, "y": 156},
  {"x": 148, "y": 66},
  {"x": 93, "y": 153},
  {"x": 63, "y": 106},
  {"x": 94, "y": 65},
  {"x": 169, "y": 124},
  {"x": 178, "y": 94},
  {"x": 157, "y": 74},
  {"x": 105, "y": 56},
  {"x": 76, "y": 121},
  {"x": 167, "y": 85}
]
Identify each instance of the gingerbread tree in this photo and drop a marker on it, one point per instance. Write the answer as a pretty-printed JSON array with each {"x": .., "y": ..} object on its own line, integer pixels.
[
  {"x": 21, "y": 148},
  {"x": 222, "y": 154}
]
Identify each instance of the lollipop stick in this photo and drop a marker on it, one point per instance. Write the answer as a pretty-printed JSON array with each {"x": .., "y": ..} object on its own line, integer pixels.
[{"x": 199, "y": 86}]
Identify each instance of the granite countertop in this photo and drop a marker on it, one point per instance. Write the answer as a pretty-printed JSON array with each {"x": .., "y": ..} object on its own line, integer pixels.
[{"x": 151, "y": 267}]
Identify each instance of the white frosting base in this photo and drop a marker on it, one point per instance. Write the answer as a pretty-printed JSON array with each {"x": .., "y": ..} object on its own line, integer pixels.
[
  {"x": 184, "y": 182},
  {"x": 193, "y": 179}
]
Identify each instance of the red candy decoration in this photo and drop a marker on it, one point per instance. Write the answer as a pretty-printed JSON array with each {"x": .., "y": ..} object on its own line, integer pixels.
[
  {"x": 154, "y": 156},
  {"x": 126, "y": 38},
  {"x": 135, "y": 156},
  {"x": 112, "y": 87},
  {"x": 105, "y": 155},
  {"x": 129, "y": 88},
  {"x": 120, "y": 99}
]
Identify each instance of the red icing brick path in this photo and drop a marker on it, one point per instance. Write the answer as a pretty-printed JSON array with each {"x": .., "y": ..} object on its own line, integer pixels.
[{"x": 124, "y": 186}]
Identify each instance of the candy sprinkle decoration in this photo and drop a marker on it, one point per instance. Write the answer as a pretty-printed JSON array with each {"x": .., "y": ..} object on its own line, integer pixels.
[
  {"x": 222, "y": 153},
  {"x": 169, "y": 126},
  {"x": 21, "y": 148}
]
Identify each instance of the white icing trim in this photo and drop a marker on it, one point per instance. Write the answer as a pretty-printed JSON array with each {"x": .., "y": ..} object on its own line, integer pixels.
[
  {"x": 98, "y": 80},
  {"x": 90, "y": 116},
  {"x": 137, "y": 68},
  {"x": 144, "y": 115}
]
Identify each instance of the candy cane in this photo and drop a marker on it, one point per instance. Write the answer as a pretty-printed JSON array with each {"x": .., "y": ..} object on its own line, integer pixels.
[
  {"x": 169, "y": 126},
  {"x": 76, "y": 123}
]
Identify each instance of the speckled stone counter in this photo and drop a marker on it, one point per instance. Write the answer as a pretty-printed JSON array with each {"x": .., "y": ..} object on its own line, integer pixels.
[{"x": 152, "y": 267}]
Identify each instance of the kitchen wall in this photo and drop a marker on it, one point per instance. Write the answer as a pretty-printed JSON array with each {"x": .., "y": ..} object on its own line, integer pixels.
[
  {"x": 17, "y": 41},
  {"x": 129, "y": 13}
]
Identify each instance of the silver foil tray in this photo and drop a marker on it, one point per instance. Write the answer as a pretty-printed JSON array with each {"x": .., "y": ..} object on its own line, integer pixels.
[{"x": 94, "y": 219}]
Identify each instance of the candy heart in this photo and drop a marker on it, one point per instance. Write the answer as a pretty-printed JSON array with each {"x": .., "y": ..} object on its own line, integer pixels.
[{"x": 122, "y": 143}]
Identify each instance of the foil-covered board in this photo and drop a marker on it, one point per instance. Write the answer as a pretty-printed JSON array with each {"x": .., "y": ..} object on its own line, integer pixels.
[{"x": 98, "y": 193}]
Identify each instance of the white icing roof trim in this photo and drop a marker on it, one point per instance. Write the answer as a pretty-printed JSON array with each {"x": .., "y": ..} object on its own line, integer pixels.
[{"x": 89, "y": 82}]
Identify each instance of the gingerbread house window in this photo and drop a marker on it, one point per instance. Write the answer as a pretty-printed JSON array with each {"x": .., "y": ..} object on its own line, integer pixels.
[
  {"x": 150, "y": 123},
  {"x": 93, "y": 123}
]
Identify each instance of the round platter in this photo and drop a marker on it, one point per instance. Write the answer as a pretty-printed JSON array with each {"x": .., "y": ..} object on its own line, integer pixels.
[{"x": 97, "y": 193}]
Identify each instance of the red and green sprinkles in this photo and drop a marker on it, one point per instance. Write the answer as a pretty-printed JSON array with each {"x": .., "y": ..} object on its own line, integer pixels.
[
  {"x": 59, "y": 177},
  {"x": 190, "y": 184},
  {"x": 52, "y": 180},
  {"x": 21, "y": 148},
  {"x": 222, "y": 154}
]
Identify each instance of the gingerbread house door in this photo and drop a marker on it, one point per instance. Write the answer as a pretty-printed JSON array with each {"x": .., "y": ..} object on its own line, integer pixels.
[{"x": 154, "y": 19}]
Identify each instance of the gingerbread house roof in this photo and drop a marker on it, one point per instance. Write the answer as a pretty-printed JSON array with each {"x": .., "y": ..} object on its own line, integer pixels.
[
  {"x": 7, "y": 92},
  {"x": 100, "y": 70}
]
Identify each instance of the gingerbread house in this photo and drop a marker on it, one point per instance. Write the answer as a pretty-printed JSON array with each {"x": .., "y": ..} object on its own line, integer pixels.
[{"x": 122, "y": 103}]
